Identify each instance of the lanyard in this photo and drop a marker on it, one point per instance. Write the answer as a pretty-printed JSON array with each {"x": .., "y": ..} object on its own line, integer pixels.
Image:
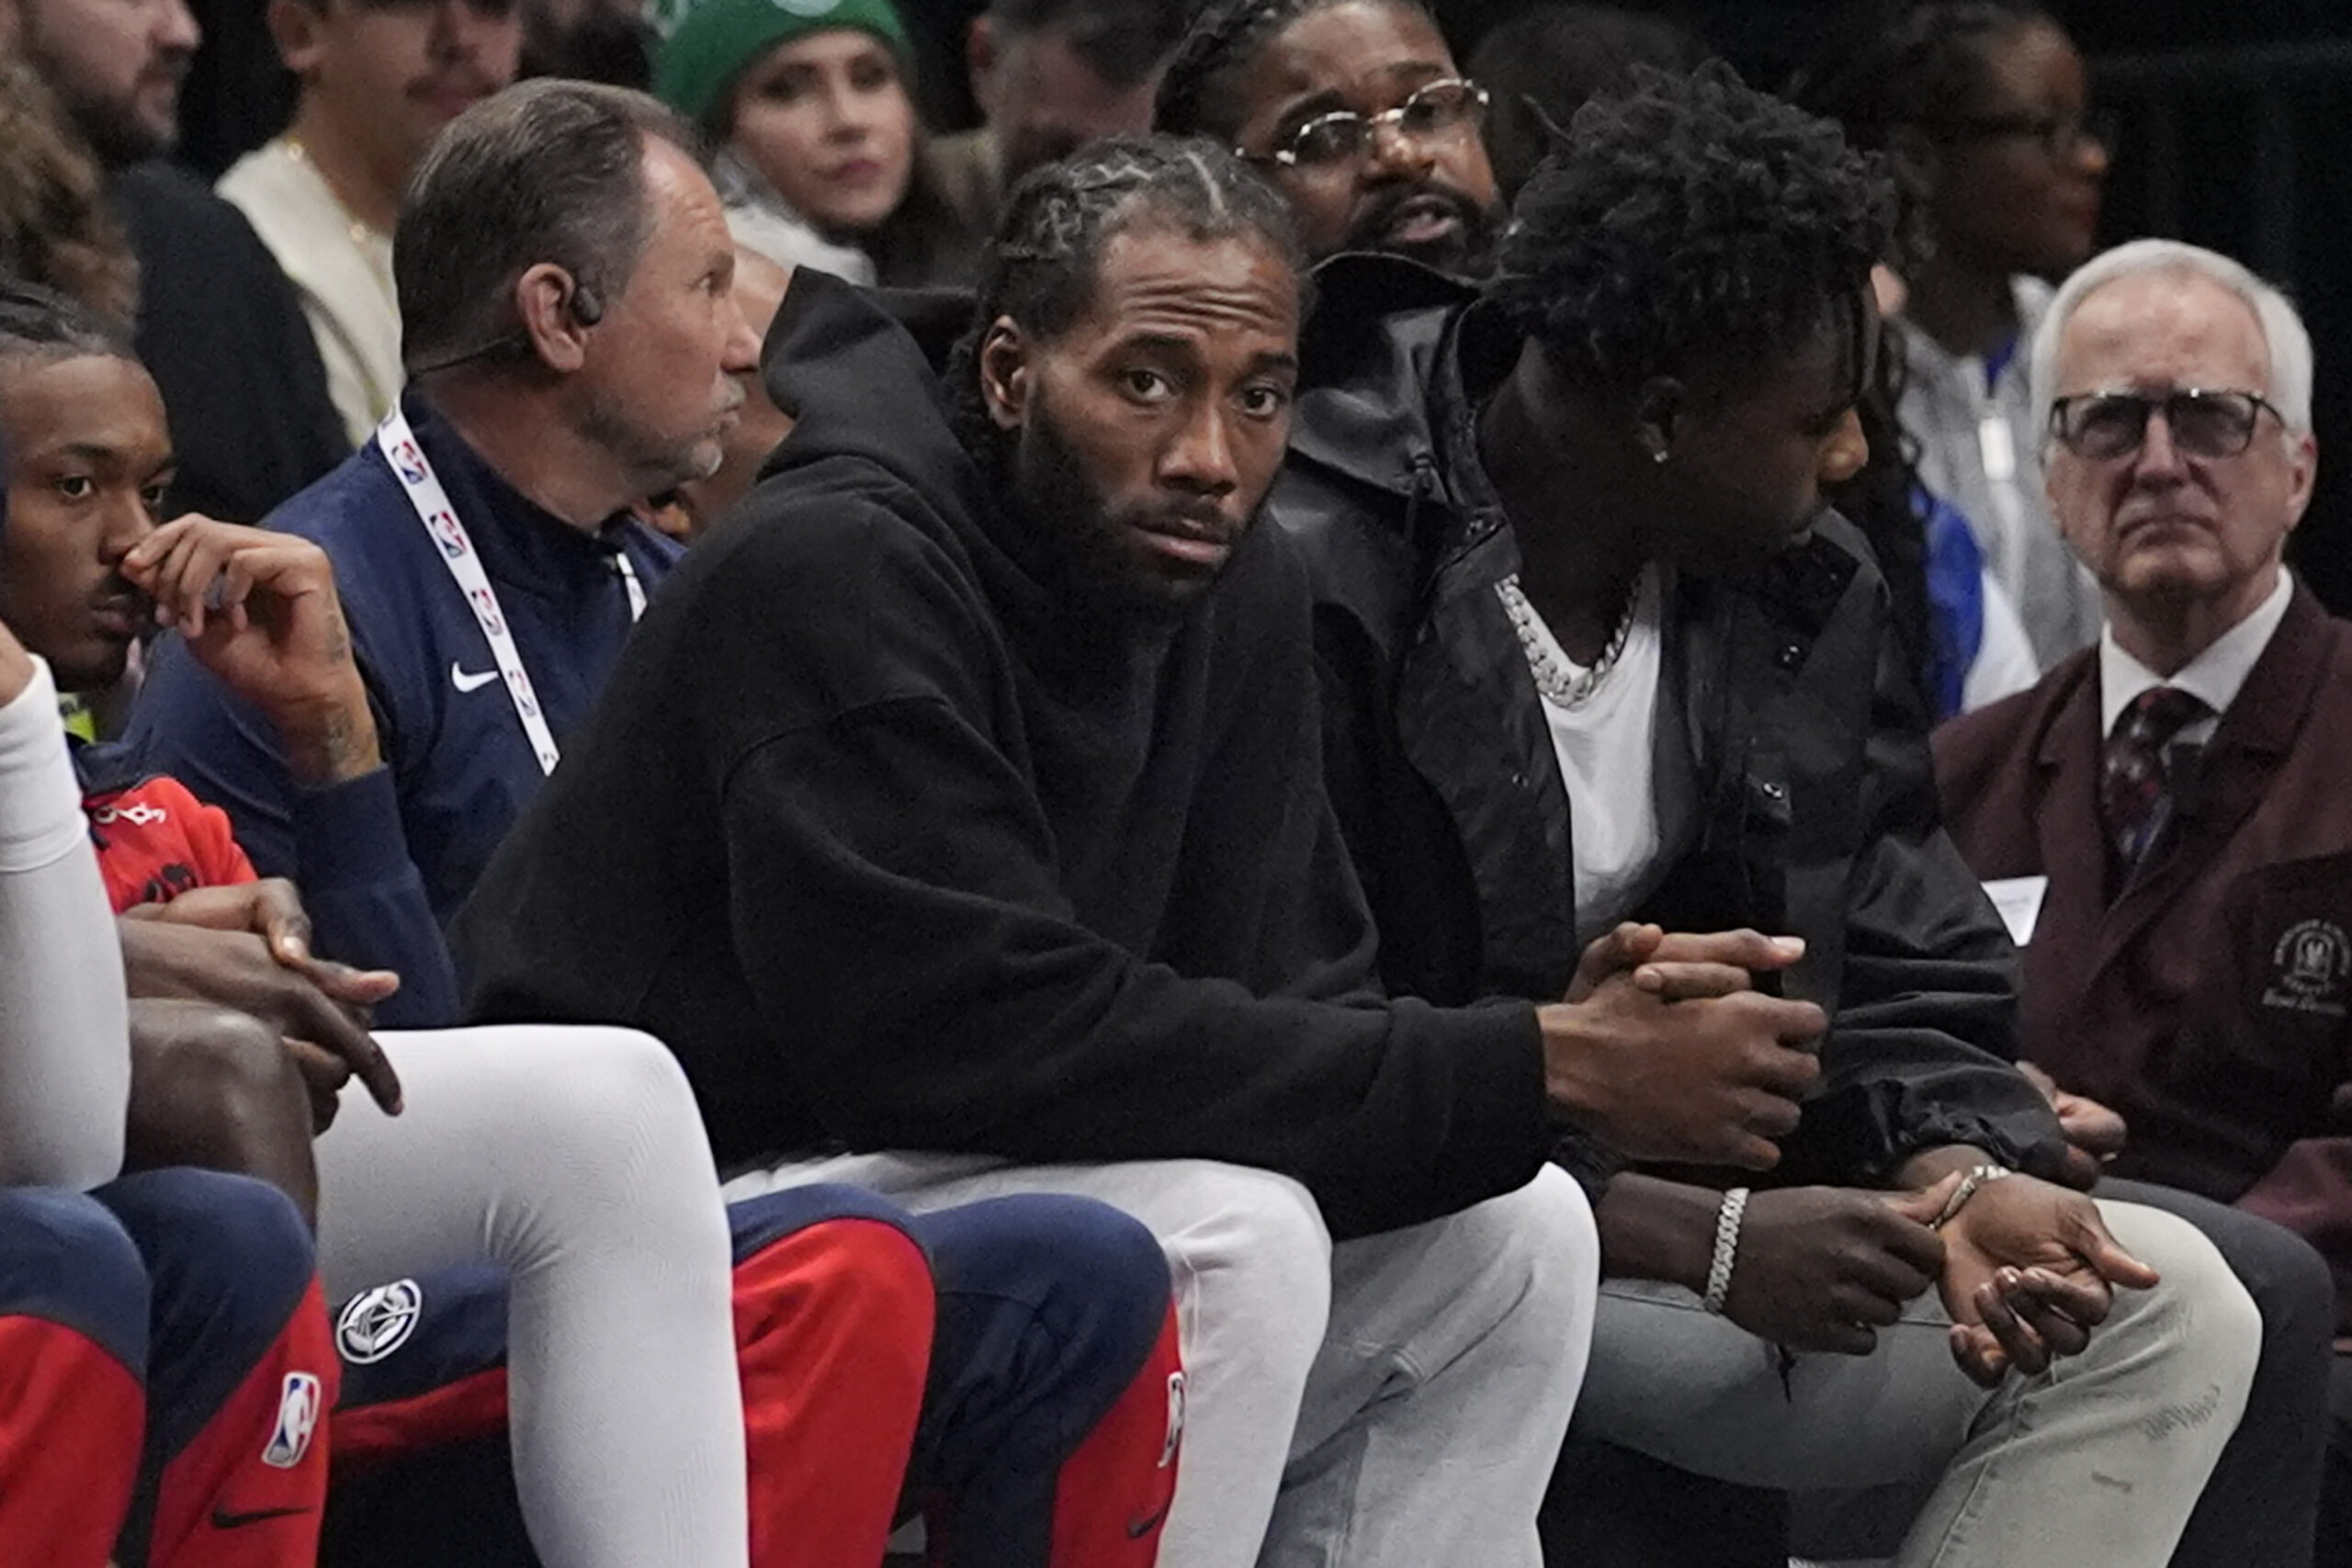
[{"x": 422, "y": 487}]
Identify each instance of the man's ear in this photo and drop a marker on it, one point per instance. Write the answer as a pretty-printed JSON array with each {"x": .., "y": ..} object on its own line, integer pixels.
[
  {"x": 981, "y": 48},
  {"x": 2304, "y": 452},
  {"x": 558, "y": 338},
  {"x": 1004, "y": 374},
  {"x": 295, "y": 27},
  {"x": 1658, "y": 413}
]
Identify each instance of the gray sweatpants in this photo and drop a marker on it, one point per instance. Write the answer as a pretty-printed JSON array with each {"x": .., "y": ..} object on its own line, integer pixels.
[
  {"x": 1394, "y": 1402},
  {"x": 2096, "y": 1464}
]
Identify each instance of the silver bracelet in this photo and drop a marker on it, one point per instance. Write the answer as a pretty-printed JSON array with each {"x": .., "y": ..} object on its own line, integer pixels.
[
  {"x": 1726, "y": 1249},
  {"x": 1969, "y": 1186}
]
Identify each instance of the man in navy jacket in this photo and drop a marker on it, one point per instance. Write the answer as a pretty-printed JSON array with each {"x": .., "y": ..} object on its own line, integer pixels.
[{"x": 536, "y": 425}]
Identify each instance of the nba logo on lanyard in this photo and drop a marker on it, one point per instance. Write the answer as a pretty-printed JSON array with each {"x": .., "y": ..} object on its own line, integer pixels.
[
  {"x": 449, "y": 536},
  {"x": 486, "y": 607},
  {"x": 431, "y": 502}
]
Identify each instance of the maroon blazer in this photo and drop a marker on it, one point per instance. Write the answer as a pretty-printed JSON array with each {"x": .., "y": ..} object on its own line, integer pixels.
[{"x": 2207, "y": 1000}]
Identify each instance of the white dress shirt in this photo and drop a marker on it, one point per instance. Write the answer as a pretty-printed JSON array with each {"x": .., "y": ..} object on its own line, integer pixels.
[{"x": 2213, "y": 677}]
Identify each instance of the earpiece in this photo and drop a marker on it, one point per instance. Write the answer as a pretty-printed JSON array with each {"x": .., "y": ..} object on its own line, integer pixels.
[{"x": 586, "y": 308}]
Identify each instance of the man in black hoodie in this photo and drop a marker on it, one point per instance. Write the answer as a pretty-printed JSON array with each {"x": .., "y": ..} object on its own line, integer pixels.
[{"x": 962, "y": 795}]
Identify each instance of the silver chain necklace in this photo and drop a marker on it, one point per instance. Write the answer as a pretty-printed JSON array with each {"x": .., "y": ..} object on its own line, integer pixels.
[{"x": 1560, "y": 682}]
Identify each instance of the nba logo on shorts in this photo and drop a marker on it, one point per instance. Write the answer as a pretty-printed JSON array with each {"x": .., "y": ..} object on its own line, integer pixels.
[
  {"x": 409, "y": 463},
  {"x": 298, "y": 1417}
]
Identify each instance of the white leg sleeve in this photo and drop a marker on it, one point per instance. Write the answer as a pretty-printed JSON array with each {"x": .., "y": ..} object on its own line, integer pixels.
[
  {"x": 574, "y": 1157},
  {"x": 64, "y": 1035}
]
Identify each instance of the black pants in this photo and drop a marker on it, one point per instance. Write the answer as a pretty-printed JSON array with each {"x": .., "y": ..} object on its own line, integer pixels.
[
  {"x": 2335, "y": 1493},
  {"x": 1609, "y": 1509}
]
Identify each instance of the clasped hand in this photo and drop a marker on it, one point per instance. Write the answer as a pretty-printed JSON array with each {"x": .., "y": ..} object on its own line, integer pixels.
[{"x": 2025, "y": 1269}]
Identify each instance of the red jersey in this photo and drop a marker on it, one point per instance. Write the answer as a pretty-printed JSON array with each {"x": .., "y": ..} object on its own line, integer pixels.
[{"x": 155, "y": 841}]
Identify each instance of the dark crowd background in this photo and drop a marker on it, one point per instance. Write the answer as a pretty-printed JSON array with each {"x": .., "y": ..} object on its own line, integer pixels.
[{"x": 2235, "y": 119}]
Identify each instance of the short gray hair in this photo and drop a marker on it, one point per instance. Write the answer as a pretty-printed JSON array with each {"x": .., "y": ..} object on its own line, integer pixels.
[
  {"x": 2282, "y": 330},
  {"x": 546, "y": 171}
]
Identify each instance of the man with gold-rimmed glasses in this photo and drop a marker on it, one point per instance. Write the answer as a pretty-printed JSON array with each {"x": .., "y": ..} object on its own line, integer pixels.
[
  {"x": 2165, "y": 815},
  {"x": 1357, "y": 113}
]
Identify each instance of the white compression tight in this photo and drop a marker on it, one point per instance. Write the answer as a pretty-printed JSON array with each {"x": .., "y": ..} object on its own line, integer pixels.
[{"x": 575, "y": 1157}]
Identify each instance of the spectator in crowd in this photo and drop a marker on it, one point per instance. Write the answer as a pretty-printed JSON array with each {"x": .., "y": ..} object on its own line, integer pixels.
[
  {"x": 1593, "y": 651},
  {"x": 216, "y": 326},
  {"x": 591, "y": 381},
  {"x": 376, "y": 83},
  {"x": 1356, "y": 112},
  {"x": 684, "y": 512},
  {"x": 1984, "y": 109},
  {"x": 55, "y": 227},
  {"x": 167, "y": 1359},
  {"x": 821, "y": 155},
  {"x": 1049, "y": 76},
  {"x": 610, "y": 41},
  {"x": 1541, "y": 65},
  {"x": 957, "y": 802},
  {"x": 1958, "y": 626},
  {"x": 2164, "y": 811}
]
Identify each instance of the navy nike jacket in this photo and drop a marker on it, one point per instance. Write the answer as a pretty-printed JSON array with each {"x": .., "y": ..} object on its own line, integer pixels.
[{"x": 384, "y": 861}]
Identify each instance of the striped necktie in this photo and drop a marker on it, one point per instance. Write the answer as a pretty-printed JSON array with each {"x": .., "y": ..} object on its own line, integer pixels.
[{"x": 2134, "y": 791}]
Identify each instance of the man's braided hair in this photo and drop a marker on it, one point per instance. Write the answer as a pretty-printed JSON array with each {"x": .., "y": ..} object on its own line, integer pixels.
[
  {"x": 1688, "y": 219},
  {"x": 1040, "y": 268},
  {"x": 1222, "y": 41},
  {"x": 37, "y": 322}
]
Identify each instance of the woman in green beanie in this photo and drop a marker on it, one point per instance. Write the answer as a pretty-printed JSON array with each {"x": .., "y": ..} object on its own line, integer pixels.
[{"x": 821, "y": 157}]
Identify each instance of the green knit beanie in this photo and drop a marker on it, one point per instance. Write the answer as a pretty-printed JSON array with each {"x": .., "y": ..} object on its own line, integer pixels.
[{"x": 710, "y": 41}]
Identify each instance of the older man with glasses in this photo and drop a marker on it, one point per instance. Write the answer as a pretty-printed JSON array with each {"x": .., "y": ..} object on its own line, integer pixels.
[
  {"x": 1356, "y": 112},
  {"x": 2164, "y": 818}
]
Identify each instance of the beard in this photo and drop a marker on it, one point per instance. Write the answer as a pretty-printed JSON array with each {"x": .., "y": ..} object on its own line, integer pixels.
[
  {"x": 665, "y": 462},
  {"x": 114, "y": 130},
  {"x": 1468, "y": 250},
  {"x": 1083, "y": 545}
]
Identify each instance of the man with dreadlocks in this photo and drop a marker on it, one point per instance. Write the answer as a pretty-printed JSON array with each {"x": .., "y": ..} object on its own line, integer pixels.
[
  {"x": 1593, "y": 651},
  {"x": 1356, "y": 112},
  {"x": 955, "y": 816}
]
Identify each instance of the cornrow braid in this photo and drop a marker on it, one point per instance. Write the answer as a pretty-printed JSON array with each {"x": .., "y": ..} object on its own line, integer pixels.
[
  {"x": 1040, "y": 268},
  {"x": 1687, "y": 218},
  {"x": 43, "y": 324},
  {"x": 1223, "y": 40}
]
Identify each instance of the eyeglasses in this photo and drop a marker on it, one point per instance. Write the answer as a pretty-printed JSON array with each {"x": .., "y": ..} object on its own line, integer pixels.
[
  {"x": 2060, "y": 136},
  {"x": 2100, "y": 425},
  {"x": 1436, "y": 110}
]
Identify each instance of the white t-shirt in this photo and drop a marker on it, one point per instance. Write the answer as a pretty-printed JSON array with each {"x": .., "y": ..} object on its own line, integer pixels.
[{"x": 1626, "y": 820}]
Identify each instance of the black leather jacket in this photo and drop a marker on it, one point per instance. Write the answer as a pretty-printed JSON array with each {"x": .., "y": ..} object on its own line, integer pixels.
[{"x": 1816, "y": 811}]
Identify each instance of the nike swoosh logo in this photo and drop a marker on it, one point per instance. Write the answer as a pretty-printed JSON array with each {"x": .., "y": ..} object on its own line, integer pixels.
[
  {"x": 466, "y": 682},
  {"x": 1138, "y": 1529},
  {"x": 224, "y": 1521}
]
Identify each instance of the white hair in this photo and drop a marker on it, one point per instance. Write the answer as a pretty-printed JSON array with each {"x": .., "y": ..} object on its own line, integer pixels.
[{"x": 2282, "y": 330}]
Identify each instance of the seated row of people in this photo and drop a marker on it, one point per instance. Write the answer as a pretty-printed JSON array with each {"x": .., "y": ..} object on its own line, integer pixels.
[{"x": 549, "y": 1189}]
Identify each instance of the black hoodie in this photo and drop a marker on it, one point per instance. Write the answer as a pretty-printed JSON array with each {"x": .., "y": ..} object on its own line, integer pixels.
[{"x": 895, "y": 850}]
